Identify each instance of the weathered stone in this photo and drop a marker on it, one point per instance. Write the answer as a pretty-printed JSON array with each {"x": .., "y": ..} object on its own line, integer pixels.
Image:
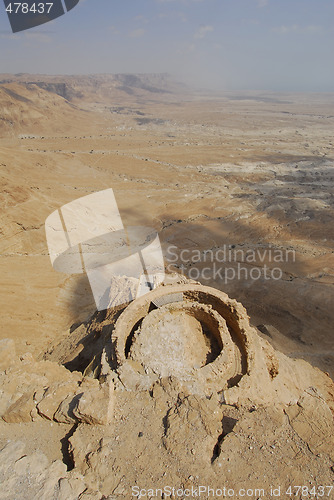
[
  {"x": 196, "y": 422},
  {"x": 54, "y": 396},
  {"x": 32, "y": 464},
  {"x": 64, "y": 413},
  {"x": 90, "y": 494},
  {"x": 95, "y": 406},
  {"x": 21, "y": 410},
  {"x": 50, "y": 482},
  {"x": 28, "y": 475},
  {"x": 12, "y": 452},
  {"x": 132, "y": 380},
  {"x": 71, "y": 487},
  {"x": 313, "y": 421}
]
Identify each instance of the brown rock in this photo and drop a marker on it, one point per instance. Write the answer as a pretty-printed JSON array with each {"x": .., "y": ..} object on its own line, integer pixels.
[
  {"x": 313, "y": 421},
  {"x": 193, "y": 426},
  {"x": 21, "y": 410},
  {"x": 95, "y": 406},
  {"x": 70, "y": 488},
  {"x": 64, "y": 413},
  {"x": 54, "y": 396}
]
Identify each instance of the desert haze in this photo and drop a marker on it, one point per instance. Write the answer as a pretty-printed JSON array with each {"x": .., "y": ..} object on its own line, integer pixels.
[{"x": 220, "y": 176}]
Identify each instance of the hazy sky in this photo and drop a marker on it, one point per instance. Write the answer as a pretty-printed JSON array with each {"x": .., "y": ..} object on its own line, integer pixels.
[{"x": 226, "y": 44}]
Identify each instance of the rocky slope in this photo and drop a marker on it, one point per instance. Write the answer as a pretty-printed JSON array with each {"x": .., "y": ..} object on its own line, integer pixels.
[
  {"x": 246, "y": 417},
  {"x": 250, "y": 172}
]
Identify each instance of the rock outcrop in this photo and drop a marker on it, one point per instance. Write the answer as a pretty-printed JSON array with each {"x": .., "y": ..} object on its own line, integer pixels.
[
  {"x": 184, "y": 393},
  {"x": 30, "y": 476},
  {"x": 34, "y": 390}
]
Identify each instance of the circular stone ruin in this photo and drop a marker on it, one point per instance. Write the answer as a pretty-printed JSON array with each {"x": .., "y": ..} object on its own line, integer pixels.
[{"x": 194, "y": 333}]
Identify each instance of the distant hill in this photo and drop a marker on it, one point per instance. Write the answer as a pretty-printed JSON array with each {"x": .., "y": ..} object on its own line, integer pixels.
[
  {"x": 32, "y": 103},
  {"x": 28, "y": 108},
  {"x": 78, "y": 87}
]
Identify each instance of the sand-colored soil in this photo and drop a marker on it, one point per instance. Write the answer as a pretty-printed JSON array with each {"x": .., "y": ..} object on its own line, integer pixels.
[
  {"x": 254, "y": 171},
  {"x": 213, "y": 174}
]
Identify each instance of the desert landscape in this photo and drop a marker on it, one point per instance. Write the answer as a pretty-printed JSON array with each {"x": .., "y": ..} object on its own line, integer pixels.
[{"x": 239, "y": 187}]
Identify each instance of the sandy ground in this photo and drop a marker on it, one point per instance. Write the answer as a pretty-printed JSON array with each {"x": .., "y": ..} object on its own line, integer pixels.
[
  {"x": 209, "y": 172},
  {"x": 233, "y": 183}
]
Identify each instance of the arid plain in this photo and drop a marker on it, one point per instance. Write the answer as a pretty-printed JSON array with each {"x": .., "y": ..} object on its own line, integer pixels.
[
  {"x": 239, "y": 186},
  {"x": 236, "y": 171}
]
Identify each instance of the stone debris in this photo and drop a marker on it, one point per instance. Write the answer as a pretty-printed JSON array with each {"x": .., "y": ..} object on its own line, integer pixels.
[
  {"x": 46, "y": 390},
  {"x": 49, "y": 402},
  {"x": 142, "y": 417},
  {"x": 197, "y": 422},
  {"x": 21, "y": 410},
  {"x": 312, "y": 420},
  {"x": 31, "y": 476},
  {"x": 95, "y": 405}
]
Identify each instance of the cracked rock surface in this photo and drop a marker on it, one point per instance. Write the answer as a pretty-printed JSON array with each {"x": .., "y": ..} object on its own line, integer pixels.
[{"x": 132, "y": 418}]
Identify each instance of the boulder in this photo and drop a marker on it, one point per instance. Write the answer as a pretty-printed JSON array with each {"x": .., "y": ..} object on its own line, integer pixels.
[
  {"x": 54, "y": 395},
  {"x": 95, "y": 405},
  {"x": 21, "y": 410}
]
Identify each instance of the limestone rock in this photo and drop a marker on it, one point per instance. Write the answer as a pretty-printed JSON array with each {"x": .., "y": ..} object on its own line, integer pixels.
[
  {"x": 12, "y": 452},
  {"x": 64, "y": 413},
  {"x": 313, "y": 421},
  {"x": 29, "y": 476},
  {"x": 5, "y": 401},
  {"x": 21, "y": 377},
  {"x": 71, "y": 488},
  {"x": 90, "y": 494},
  {"x": 53, "y": 397},
  {"x": 21, "y": 410},
  {"x": 133, "y": 377},
  {"x": 95, "y": 405},
  {"x": 194, "y": 424}
]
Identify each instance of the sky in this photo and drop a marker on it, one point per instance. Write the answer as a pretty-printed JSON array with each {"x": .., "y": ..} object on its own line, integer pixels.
[{"x": 279, "y": 45}]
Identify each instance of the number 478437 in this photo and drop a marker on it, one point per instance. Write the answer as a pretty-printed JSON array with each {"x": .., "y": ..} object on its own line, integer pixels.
[{"x": 25, "y": 8}]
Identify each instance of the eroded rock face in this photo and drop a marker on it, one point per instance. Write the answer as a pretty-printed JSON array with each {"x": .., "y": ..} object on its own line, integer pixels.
[
  {"x": 312, "y": 420},
  {"x": 196, "y": 422},
  {"x": 187, "y": 394},
  {"x": 37, "y": 390},
  {"x": 33, "y": 476},
  {"x": 175, "y": 438},
  {"x": 96, "y": 404}
]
